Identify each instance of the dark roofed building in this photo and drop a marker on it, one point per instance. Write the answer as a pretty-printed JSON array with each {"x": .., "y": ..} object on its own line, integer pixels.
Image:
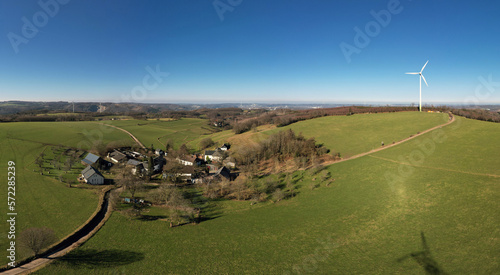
[
  {"x": 136, "y": 166},
  {"x": 117, "y": 157},
  {"x": 224, "y": 172},
  {"x": 90, "y": 159},
  {"x": 172, "y": 170},
  {"x": 191, "y": 160},
  {"x": 225, "y": 147}
]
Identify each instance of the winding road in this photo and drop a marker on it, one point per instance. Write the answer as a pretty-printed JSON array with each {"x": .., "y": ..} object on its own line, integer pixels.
[{"x": 85, "y": 232}]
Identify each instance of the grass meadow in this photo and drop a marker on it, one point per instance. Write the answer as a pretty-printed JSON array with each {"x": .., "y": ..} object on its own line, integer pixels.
[
  {"x": 158, "y": 132},
  {"x": 347, "y": 135},
  {"x": 40, "y": 200},
  {"x": 392, "y": 212},
  {"x": 71, "y": 134},
  {"x": 351, "y": 135}
]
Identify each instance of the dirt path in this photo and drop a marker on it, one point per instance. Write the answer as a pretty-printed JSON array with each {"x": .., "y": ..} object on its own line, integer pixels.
[
  {"x": 437, "y": 168},
  {"x": 71, "y": 242},
  {"x": 393, "y": 144},
  {"x": 129, "y": 133}
]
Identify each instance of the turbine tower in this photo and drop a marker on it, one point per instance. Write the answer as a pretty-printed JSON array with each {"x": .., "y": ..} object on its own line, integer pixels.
[{"x": 421, "y": 77}]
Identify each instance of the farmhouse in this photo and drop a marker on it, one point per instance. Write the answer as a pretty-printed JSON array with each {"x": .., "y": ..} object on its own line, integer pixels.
[
  {"x": 137, "y": 166},
  {"x": 213, "y": 155},
  {"x": 117, "y": 157},
  {"x": 224, "y": 147},
  {"x": 190, "y": 160},
  {"x": 158, "y": 164},
  {"x": 229, "y": 162},
  {"x": 159, "y": 152},
  {"x": 92, "y": 176},
  {"x": 185, "y": 172},
  {"x": 212, "y": 169},
  {"x": 223, "y": 172},
  {"x": 90, "y": 159}
]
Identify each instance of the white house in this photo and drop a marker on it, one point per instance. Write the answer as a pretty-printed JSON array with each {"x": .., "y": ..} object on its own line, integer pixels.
[
  {"x": 213, "y": 155},
  {"x": 190, "y": 160},
  {"x": 92, "y": 176},
  {"x": 224, "y": 147}
]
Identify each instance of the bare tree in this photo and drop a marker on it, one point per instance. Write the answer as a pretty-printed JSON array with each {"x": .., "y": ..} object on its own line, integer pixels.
[
  {"x": 174, "y": 217},
  {"x": 278, "y": 195},
  {"x": 39, "y": 162},
  {"x": 37, "y": 239},
  {"x": 289, "y": 185},
  {"x": 130, "y": 182},
  {"x": 169, "y": 145},
  {"x": 68, "y": 164},
  {"x": 206, "y": 142}
]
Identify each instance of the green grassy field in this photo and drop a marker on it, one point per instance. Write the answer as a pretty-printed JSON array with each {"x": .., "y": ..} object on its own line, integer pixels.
[
  {"x": 437, "y": 215},
  {"x": 40, "y": 200},
  {"x": 44, "y": 200},
  {"x": 158, "y": 132},
  {"x": 72, "y": 134},
  {"x": 351, "y": 135}
]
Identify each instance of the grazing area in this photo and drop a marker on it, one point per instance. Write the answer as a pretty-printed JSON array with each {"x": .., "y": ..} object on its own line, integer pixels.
[
  {"x": 429, "y": 205},
  {"x": 83, "y": 135},
  {"x": 351, "y": 135},
  {"x": 159, "y": 132},
  {"x": 347, "y": 135},
  {"x": 41, "y": 201}
]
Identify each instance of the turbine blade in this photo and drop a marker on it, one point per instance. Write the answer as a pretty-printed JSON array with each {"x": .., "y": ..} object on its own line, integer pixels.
[
  {"x": 424, "y": 66},
  {"x": 412, "y": 73},
  {"x": 424, "y": 80}
]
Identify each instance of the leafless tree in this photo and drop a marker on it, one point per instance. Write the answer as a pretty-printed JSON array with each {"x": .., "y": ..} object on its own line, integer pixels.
[
  {"x": 39, "y": 162},
  {"x": 37, "y": 239},
  {"x": 131, "y": 183},
  {"x": 206, "y": 142},
  {"x": 278, "y": 195}
]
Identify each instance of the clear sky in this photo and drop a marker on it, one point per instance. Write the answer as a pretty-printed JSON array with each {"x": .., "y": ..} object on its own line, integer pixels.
[{"x": 249, "y": 50}]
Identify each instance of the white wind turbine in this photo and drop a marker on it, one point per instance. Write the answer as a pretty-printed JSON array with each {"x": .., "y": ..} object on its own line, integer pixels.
[{"x": 421, "y": 77}]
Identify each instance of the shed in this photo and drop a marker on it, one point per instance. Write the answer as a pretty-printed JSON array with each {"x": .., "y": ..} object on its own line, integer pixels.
[{"x": 90, "y": 159}]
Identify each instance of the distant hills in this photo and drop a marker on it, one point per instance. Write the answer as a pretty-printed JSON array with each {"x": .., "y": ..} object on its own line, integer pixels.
[{"x": 13, "y": 107}]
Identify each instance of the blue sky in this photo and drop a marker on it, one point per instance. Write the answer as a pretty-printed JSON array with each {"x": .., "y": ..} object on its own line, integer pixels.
[{"x": 254, "y": 51}]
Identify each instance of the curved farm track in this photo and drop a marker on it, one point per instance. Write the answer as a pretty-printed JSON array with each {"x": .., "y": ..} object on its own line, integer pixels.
[
  {"x": 129, "y": 133},
  {"x": 71, "y": 242}
]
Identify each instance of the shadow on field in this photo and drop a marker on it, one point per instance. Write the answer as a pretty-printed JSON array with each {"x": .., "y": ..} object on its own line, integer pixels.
[
  {"x": 424, "y": 259},
  {"x": 210, "y": 211},
  {"x": 92, "y": 258},
  {"x": 151, "y": 217}
]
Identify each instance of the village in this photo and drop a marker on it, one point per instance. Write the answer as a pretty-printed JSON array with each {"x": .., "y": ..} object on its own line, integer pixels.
[{"x": 157, "y": 164}]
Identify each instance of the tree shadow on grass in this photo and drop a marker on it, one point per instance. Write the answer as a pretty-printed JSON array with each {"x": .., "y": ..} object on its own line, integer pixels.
[
  {"x": 424, "y": 259},
  {"x": 151, "y": 217},
  {"x": 210, "y": 211},
  {"x": 92, "y": 258}
]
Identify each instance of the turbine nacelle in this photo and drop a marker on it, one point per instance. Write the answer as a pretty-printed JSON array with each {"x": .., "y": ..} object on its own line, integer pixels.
[{"x": 420, "y": 73}]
